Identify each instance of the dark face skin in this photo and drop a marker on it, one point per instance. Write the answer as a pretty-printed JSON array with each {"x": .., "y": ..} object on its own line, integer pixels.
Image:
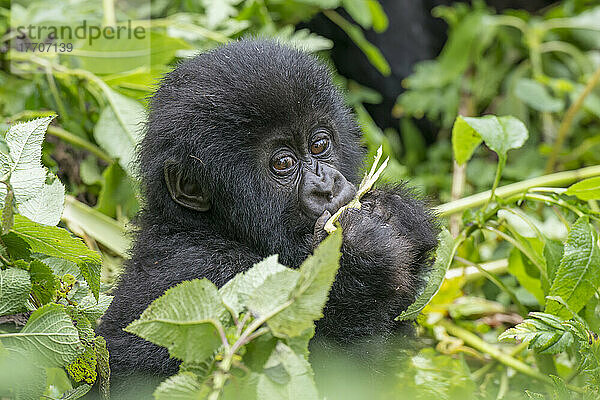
[{"x": 309, "y": 166}]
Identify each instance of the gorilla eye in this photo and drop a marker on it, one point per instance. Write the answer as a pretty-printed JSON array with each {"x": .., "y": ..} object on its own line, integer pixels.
[
  {"x": 283, "y": 162},
  {"x": 319, "y": 146}
]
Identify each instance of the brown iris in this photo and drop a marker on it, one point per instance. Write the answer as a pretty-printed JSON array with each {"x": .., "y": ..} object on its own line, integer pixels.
[
  {"x": 319, "y": 146},
  {"x": 282, "y": 163}
]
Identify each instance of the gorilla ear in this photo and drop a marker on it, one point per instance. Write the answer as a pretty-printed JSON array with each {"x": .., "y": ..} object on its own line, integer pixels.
[{"x": 182, "y": 191}]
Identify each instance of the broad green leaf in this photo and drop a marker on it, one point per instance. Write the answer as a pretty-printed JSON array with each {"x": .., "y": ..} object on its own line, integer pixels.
[
  {"x": 464, "y": 141},
  {"x": 359, "y": 11},
  {"x": 527, "y": 275},
  {"x": 34, "y": 198},
  {"x": 500, "y": 134},
  {"x": 545, "y": 333},
  {"x": 301, "y": 294},
  {"x": 77, "y": 392},
  {"x": 293, "y": 380},
  {"x": 44, "y": 283},
  {"x": 443, "y": 258},
  {"x": 578, "y": 275},
  {"x": 15, "y": 286},
  {"x": 587, "y": 189},
  {"x": 92, "y": 309},
  {"x": 235, "y": 293},
  {"x": 118, "y": 129},
  {"x": 49, "y": 335},
  {"x": 184, "y": 320},
  {"x": 55, "y": 242},
  {"x": 47, "y": 205},
  {"x": 183, "y": 386},
  {"x": 535, "y": 95}
]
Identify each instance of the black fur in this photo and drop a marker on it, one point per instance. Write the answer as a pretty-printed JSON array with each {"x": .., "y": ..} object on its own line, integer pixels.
[{"x": 213, "y": 116}]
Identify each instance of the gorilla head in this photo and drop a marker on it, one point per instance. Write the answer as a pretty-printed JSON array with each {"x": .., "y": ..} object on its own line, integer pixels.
[{"x": 254, "y": 136}]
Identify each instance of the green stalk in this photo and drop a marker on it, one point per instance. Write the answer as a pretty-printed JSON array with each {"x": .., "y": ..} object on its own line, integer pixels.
[
  {"x": 79, "y": 142},
  {"x": 556, "y": 179},
  {"x": 499, "y": 169}
]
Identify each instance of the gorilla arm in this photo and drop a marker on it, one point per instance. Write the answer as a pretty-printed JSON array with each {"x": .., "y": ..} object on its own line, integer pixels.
[{"x": 386, "y": 251}]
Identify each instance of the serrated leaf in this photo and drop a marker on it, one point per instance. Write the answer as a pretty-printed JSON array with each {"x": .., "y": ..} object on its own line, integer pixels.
[
  {"x": 93, "y": 309},
  {"x": 536, "y": 96},
  {"x": 299, "y": 383},
  {"x": 443, "y": 258},
  {"x": 15, "y": 286},
  {"x": 235, "y": 293},
  {"x": 578, "y": 275},
  {"x": 55, "y": 242},
  {"x": 183, "y": 386},
  {"x": 500, "y": 134},
  {"x": 49, "y": 335},
  {"x": 544, "y": 333},
  {"x": 46, "y": 206},
  {"x": 304, "y": 291},
  {"x": 44, "y": 283},
  {"x": 184, "y": 320},
  {"x": 587, "y": 189},
  {"x": 118, "y": 129}
]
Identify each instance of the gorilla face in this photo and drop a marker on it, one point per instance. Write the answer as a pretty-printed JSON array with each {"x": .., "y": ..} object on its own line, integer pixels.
[
  {"x": 308, "y": 167},
  {"x": 259, "y": 148}
]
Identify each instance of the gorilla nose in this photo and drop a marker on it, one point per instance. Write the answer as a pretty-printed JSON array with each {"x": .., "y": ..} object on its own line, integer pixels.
[{"x": 327, "y": 190}]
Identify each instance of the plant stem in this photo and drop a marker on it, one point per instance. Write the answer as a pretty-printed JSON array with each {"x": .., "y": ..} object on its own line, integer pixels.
[
  {"x": 558, "y": 179},
  {"x": 565, "y": 125},
  {"x": 499, "y": 169},
  {"x": 477, "y": 343},
  {"x": 79, "y": 142}
]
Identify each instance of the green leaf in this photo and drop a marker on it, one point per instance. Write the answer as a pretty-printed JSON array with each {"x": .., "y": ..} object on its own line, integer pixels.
[
  {"x": 35, "y": 199},
  {"x": 359, "y": 11},
  {"x": 545, "y": 333},
  {"x": 443, "y": 258},
  {"x": 55, "y": 242},
  {"x": 299, "y": 295},
  {"x": 47, "y": 205},
  {"x": 578, "y": 275},
  {"x": 93, "y": 309},
  {"x": 236, "y": 292},
  {"x": 527, "y": 275},
  {"x": 499, "y": 133},
  {"x": 553, "y": 252},
  {"x": 183, "y": 386},
  {"x": 535, "y": 95},
  {"x": 184, "y": 320},
  {"x": 49, "y": 335},
  {"x": 298, "y": 382},
  {"x": 44, "y": 283},
  {"x": 464, "y": 141},
  {"x": 15, "y": 286},
  {"x": 76, "y": 393},
  {"x": 118, "y": 129},
  {"x": 587, "y": 189}
]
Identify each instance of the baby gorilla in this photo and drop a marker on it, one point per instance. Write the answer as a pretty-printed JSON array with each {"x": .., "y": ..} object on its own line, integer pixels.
[{"x": 248, "y": 149}]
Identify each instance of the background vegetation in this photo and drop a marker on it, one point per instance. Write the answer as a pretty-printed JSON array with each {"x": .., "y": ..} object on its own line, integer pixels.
[{"x": 518, "y": 313}]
